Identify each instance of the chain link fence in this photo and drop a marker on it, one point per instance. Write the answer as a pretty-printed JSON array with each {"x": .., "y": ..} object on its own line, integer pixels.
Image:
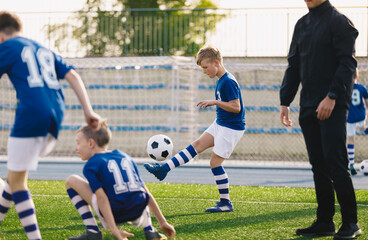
[{"x": 254, "y": 42}]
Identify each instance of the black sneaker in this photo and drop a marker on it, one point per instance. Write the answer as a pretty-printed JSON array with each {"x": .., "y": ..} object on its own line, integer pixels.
[
  {"x": 348, "y": 231},
  {"x": 154, "y": 235},
  {"x": 221, "y": 207},
  {"x": 318, "y": 229},
  {"x": 88, "y": 235}
]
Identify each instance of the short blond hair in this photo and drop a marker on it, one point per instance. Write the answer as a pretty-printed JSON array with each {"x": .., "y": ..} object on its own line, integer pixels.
[
  {"x": 101, "y": 137},
  {"x": 209, "y": 53}
]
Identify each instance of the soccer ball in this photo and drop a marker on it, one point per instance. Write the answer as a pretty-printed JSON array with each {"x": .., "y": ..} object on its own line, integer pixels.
[
  {"x": 159, "y": 147},
  {"x": 364, "y": 167}
]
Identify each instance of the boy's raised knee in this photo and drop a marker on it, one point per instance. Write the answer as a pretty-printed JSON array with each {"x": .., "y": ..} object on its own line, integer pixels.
[{"x": 70, "y": 180}]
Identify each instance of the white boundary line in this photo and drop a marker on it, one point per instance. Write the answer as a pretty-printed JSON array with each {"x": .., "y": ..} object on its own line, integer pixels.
[
  {"x": 203, "y": 199},
  {"x": 194, "y": 163}
]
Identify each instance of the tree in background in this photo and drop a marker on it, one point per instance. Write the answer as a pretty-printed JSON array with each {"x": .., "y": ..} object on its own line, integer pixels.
[{"x": 139, "y": 27}]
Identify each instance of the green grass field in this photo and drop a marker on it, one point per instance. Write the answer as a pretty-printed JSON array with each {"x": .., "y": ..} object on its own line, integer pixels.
[{"x": 260, "y": 212}]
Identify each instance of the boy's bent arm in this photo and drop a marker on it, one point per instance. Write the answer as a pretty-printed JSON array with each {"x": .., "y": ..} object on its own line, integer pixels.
[
  {"x": 77, "y": 84},
  {"x": 105, "y": 208},
  {"x": 231, "y": 106},
  {"x": 167, "y": 228}
]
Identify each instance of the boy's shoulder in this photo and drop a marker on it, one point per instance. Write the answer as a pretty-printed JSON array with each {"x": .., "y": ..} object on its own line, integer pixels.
[
  {"x": 16, "y": 42},
  {"x": 228, "y": 77},
  {"x": 231, "y": 76},
  {"x": 20, "y": 42},
  {"x": 359, "y": 85},
  {"x": 16, "y": 45},
  {"x": 110, "y": 155},
  {"x": 10, "y": 45},
  {"x": 101, "y": 159}
]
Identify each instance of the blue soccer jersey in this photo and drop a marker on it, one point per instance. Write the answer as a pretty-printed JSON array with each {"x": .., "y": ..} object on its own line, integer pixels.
[
  {"x": 227, "y": 89},
  {"x": 34, "y": 72},
  {"x": 357, "y": 107},
  {"x": 117, "y": 174}
]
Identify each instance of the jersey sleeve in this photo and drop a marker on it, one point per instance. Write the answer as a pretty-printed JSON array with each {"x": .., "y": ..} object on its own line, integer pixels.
[
  {"x": 61, "y": 67},
  {"x": 231, "y": 90},
  {"x": 90, "y": 172}
]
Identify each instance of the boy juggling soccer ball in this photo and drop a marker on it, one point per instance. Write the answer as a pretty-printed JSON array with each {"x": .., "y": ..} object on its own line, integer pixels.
[
  {"x": 223, "y": 134},
  {"x": 34, "y": 72},
  {"x": 356, "y": 118},
  {"x": 113, "y": 188}
]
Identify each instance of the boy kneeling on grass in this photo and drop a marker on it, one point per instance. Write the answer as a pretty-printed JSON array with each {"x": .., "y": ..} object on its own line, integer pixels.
[{"x": 113, "y": 188}]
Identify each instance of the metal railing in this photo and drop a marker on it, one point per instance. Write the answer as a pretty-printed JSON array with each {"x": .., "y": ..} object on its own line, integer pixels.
[{"x": 153, "y": 32}]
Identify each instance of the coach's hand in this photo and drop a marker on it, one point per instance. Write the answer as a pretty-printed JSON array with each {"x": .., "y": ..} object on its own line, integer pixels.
[
  {"x": 325, "y": 108},
  {"x": 284, "y": 116}
]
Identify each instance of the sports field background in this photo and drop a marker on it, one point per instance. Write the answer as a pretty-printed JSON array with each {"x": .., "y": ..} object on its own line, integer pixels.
[
  {"x": 144, "y": 96},
  {"x": 139, "y": 102}
]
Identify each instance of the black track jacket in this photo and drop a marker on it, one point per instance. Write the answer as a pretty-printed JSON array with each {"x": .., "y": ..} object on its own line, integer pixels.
[{"x": 321, "y": 57}]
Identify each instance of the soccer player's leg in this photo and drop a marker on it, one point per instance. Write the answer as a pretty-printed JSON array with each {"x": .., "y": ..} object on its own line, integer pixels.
[
  {"x": 160, "y": 171},
  {"x": 48, "y": 146},
  {"x": 81, "y": 194},
  {"x": 145, "y": 221},
  {"x": 184, "y": 156},
  {"x": 23, "y": 203},
  {"x": 225, "y": 140},
  {"x": 222, "y": 182},
  {"x": 19, "y": 163},
  {"x": 5, "y": 201},
  {"x": 350, "y": 132}
]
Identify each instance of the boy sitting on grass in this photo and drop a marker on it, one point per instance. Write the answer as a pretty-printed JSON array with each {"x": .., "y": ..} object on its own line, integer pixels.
[{"x": 113, "y": 188}]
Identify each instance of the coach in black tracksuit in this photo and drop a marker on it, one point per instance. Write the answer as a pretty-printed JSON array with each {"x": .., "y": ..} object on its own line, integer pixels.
[{"x": 321, "y": 58}]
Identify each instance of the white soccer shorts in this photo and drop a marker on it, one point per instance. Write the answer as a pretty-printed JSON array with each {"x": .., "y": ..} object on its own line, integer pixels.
[
  {"x": 23, "y": 153},
  {"x": 97, "y": 211},
  {"x": 225, "y": 139},
  {"x": 351, "y": 127}
]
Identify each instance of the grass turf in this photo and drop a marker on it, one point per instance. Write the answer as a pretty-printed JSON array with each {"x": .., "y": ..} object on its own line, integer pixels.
[{"x": 260, "y": 212}]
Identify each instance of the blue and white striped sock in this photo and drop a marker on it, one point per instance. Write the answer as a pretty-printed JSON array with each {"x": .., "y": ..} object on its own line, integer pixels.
[
  {"x": 222, "y": 182},
  {"x": 180, "y": 158},
  {"x": 351, "y": 154},
  {"x": 84, "y": 211},
  {"x": 27, "y": 213},
  {"x": 147, "y": 222},
  {"x": 5, "y": 201}
]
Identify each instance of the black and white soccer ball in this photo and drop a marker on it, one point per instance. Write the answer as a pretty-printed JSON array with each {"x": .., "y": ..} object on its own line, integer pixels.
[
  {"x": 159, "y": 147},
  {"x": 364, "y": 167}
]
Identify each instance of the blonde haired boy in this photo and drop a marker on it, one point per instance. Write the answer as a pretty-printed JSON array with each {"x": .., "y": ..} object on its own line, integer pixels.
[
  {"x": 223, "y": 134},
  {"x": 113, "y": 188}
]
